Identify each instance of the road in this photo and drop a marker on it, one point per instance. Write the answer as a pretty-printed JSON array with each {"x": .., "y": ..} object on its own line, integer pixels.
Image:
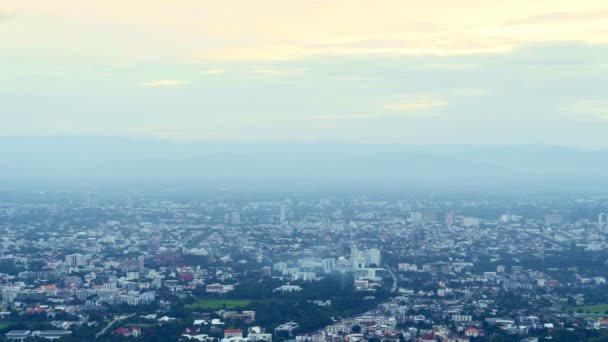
[
  {"x": 390, "y": 271},
  {"x": 116, "y": 319}
]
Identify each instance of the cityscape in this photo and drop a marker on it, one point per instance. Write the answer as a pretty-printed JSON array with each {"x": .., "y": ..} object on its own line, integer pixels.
[
  {"x": 304, "y": 171},
  {"x": 235, "y": 267}
]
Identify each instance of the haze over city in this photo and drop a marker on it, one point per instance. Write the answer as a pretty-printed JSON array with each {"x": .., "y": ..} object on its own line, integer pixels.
[{"x": 304, "y": 170}]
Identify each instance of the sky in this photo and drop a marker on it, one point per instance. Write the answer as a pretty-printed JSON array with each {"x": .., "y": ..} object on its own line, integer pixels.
[{"x": 384, "y": 71}]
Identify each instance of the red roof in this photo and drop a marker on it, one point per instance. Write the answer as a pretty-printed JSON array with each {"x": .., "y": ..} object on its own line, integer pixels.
[{"x": 233, "y": 331}]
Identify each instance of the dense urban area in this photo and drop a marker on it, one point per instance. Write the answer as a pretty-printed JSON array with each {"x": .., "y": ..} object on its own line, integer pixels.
[{"x": 227, "y": 266}]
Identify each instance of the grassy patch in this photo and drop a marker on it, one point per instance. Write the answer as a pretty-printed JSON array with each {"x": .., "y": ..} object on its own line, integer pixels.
[
  {"x": 591, "y": 310},
  {"x": 27, "y": 324},
  {"x": 217, "y": 304}
]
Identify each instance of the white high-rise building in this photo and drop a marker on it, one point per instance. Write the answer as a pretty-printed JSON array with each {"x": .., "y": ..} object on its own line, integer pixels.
[
  {"x": 235, "y": 217},
  {"x": 91, "y": 200},
  {"x": 354, "y": 252},
  {"x": 283, "y": 215},
  {"x": 553, "y": 219},
  {"x": 358, "y": 263},
  {"x": 471, "y": 222},
  {"x": 415, "y": 216},
  {"x": 280, "y": 267},
  {"x": 129, "y": 201},
  {"x": 372, "y": 256},
  {"x": 329, "y": 265},
  {"x": 602, "y": 219},
  {"x": 76, "y": 259}
]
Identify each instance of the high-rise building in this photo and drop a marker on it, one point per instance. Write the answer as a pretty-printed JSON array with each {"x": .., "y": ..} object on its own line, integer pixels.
[
  {"x": 553, "y": 219},
  {"x": 429, "y": 216},
  {"x": 449, "y": 218},
  {"x": 415, "y": 216},
  {"x": 372, "y": 257},
  {"x": 283, "y": 215},
  {"x": 235, "y": 217},
  {"x": 354, "y": 252},
  {"x": 129, "y": 201},
  {"x": 358, "y": 263},
  {"x": 91, "y": 200},
  {"x": 329, "y": 265},
  {"x": 76, "y": 259},
  {"x": 602, "y": 219},
  {"x": 471, "y": 222},
  {"x": 280, "y": 267}
]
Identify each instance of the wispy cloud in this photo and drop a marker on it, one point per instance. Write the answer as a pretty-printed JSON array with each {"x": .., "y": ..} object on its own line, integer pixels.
[
  {"x": 215, "y": 72},
  {"x": 590, "y": 109},
  {"x": 275, "y": 71},
  {"x": 163, "y": 83},
  {"x": 469, "y": 91},
  {"x": 351, "y": 117},
  {"x": 450, "y": 67},
  {"x": 559, "y": 17},
  {"x": 420, "y": 103}
]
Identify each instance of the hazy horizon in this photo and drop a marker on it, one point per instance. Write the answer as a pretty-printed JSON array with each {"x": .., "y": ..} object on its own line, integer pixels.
[{"x": 137, "y": 162}]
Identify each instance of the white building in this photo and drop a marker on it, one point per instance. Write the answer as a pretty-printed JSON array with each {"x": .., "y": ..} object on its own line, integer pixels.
[
  {"x": 372, "y": 256},
  {"x": 329, "y": 265},
  {"x": 283, "y": 214},
  {"x": 235, "y": 217},
  {"x": 76, "y": 259},
  {"x": 602, "y": 219},
  {"x": 471, "y": 222}
]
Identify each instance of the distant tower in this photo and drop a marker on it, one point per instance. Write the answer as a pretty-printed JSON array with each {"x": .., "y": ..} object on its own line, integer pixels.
[
  {"x": 553, "y": 219},
  {"x": 156, "y": 245},
  {"x": 266, "y": 272},
  {"x": 129, "y": 201},
  {"x": 429, "y": 216},
  {"x": 449, "y": 218},
  {"x": 235, "y": 217},
  {"x": 283, "y": 215},
  {"x": 602, "y": 219},
  {"x": 372, "y": 256},
  {"x": 91, "y": 200},
  {"x": 354, "y": 252},
  {"x": 329, "y": 265},
  {"x": 358, "y": 263}
]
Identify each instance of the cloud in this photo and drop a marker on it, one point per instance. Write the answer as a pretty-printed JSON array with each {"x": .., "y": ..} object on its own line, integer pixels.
[
  {"x": 350, "y": 117},
  {"x": 469, "y": 91},
  {"x": 341, "y": 27},
  {"x": 450, "y": 67},
  {"x": 589, "y": 109},
  {"x": 559, "y": 17},
  {"x": 274, "y": 71},
  {"x": 163, "y": 83},
  {"x": 421, "y": 103},
  {"x": 215, "y": 72}
]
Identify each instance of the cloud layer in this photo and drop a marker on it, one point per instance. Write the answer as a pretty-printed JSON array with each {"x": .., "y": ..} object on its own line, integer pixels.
[{"x": 392, "y": 71}]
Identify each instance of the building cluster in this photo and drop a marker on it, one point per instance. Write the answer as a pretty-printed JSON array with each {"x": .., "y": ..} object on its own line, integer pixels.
[{"x": 453, "y": 269}]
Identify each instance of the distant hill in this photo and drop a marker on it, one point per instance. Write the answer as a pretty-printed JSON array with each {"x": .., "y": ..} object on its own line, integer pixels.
[{"x": 107, "y": 160}]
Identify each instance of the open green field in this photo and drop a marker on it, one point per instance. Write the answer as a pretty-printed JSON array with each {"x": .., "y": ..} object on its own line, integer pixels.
[
  {"x": 217, "y": 304},
  {"x": 7, "y": 324},
  {"x": 591, "y": 310}
]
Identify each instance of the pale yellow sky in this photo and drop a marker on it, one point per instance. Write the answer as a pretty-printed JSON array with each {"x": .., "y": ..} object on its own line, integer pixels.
[
  {"x": 276, "y": 29},
  {"x": 434, "y": 71}
]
